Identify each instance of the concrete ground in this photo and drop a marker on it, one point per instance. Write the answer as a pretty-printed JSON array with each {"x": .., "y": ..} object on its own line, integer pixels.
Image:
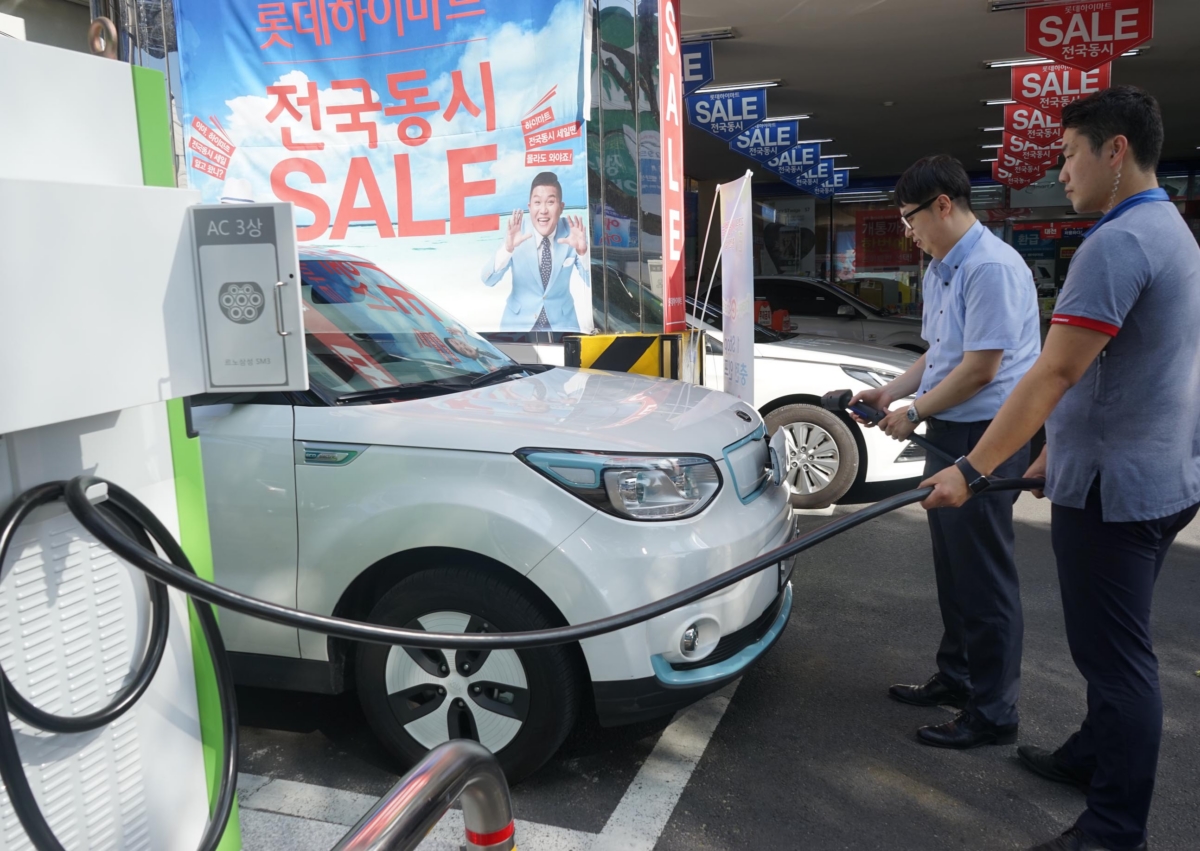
[{"x": 806, "y": 751}]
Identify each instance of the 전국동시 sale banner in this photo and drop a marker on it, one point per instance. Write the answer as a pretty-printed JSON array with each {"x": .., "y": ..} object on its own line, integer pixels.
[{"x": 441, "y": 140}]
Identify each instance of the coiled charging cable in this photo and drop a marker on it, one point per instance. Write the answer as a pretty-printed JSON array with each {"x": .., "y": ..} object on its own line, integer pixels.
[{"x": 122, "y": 523}]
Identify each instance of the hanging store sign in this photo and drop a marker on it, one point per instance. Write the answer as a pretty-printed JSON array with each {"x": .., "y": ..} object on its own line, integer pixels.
[
  {"x": 1001, "y": 173},
  {"x": 727, "y": 115},
  {"x": 838, "y": 182},
  {"x": 1022, "y": 168},
  {"x": 1051, "y": 88},
  {"x": 814, "y": 179},
  {"x": 767, "y": 141},
  {"x": 1029, "y": 152},
  {"x": 1032, "y": 124},
  {"x": 796, "y": 160},
  {"x": 424, "y": 162},
  {"x": 1086, "y": 35},
  {"x": 670, "y": 96},
  {"x": 882, "y": 241},
  {"x": 697, "y": 62}
]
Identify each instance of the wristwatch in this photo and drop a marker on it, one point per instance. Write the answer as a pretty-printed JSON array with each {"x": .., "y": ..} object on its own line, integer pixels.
[
  {"x": 913, "y": 414},
  {"x": 976, "y": 482}
]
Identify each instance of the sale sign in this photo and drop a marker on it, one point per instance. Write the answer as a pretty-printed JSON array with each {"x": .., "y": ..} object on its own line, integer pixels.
[
  {"x": 1019, "y": 169},
  {"x": 412, "y": 134},
  {"x": 836, "y": 183},
  {"x": 1086, "y": 35},
  {"x": 1050, "y": 88},
  {"x": 670, "y": 96},
  {"x": 1028, "y": 152},
  {"x": 727, "y": 115},
  {"x": 764, "y": 142},
  {"x": 796, "y": 160},
  {"x": 697, "y": 61},
  {"x": 815, "y": 179},
  {"x": 1010, "y": 178},
  {"x": 1032, "y": 124}
]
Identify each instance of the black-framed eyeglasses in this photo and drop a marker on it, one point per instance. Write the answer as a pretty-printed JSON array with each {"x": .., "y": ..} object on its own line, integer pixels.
[{"x": 904, "y": 217}]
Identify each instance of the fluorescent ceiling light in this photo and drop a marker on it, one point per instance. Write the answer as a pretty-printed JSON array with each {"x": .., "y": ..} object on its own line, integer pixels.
[
  {"x": 714, "y": 34},
  {"x": 855, "y": 192},
  {"x": 737, "y": 87},
  {"x": 814, "y": 141},
  {"x": 992, "y": 160},
  {"x": 1014, "y": 5},
  {"x": 991, "y": 146},
  {"x": 1037, "y": 60},
  {"x": 999, "y": 102},
  {"x": 849, "y": 167},
  {"x": 991, "y": 129},
  {"x": 800, "y": 117},
  {"x": 833, "y": 156},
  {"x": 860, "y": 200}
]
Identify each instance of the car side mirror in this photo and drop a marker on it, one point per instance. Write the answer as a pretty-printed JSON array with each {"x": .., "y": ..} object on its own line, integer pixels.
[{"x": 845, "y": 310}]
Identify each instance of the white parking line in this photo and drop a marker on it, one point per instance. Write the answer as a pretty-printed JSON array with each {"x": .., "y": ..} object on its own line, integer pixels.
[{"x": 302, "y": 817}]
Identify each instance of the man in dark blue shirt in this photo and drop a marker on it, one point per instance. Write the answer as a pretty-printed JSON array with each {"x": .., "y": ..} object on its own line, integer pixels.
[{"x": 1118, "y": 386}]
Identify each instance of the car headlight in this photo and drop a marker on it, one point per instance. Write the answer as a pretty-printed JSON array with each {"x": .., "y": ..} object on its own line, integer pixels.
[
  {"x": 635, "y": 487},
  {"x": 871, "y": 377}
]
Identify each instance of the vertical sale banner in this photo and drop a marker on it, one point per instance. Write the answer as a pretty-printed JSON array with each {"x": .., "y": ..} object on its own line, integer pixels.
[
  {"x": 670, "y": 85},
  {"x": 737, "y": 287},
  {"x": 441, "y": 140}
]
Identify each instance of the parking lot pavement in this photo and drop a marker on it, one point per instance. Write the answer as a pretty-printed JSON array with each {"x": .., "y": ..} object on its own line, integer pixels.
[{"x": 808, "y": 752}]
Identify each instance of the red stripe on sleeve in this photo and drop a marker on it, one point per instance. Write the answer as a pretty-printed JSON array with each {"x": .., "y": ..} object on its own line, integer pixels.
[
  {"x": 486, "y": 839},
  {"x": 1084, "y": 322}
]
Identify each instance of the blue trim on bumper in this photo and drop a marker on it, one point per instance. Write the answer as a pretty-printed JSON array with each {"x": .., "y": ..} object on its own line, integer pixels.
[{"x": 732, "y": 666}]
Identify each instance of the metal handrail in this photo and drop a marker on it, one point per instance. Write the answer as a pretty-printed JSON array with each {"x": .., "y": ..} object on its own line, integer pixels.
[{"x": 406, "y": 814}]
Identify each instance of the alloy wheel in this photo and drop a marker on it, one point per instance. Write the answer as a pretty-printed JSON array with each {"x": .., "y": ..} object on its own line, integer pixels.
[{"x": 813, "y": 459}]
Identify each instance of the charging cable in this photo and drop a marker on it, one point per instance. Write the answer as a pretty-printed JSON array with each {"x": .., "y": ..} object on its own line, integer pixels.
[{"x": 126, "y": 526}]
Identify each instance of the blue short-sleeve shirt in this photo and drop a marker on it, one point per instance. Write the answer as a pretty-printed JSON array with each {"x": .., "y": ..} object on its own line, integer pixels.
[
  {"x": 1134, "y": 417},
  {"x": 980, "y": 297}
]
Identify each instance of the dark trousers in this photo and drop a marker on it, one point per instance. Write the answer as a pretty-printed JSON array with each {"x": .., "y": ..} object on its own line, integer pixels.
[
  {"x": 1107, "y": 573},
  {"x": 978, "y": 589}
]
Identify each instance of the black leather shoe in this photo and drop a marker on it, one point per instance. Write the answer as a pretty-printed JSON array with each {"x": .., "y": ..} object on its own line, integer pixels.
[
  {"x": 1047, "y": 764},
  {"x": 934, "y": 692},
  {"x": 1076, "y": 840},
  {"x": 966, "y": 731}
]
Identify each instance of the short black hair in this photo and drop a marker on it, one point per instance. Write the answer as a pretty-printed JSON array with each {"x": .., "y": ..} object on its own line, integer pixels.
[
  {"x": 546, "y": 178},
  {"x": 930, "y": 177},
  {"x": 1120, "y": 111}
]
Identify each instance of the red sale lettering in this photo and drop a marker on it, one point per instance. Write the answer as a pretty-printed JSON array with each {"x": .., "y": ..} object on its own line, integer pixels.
[
  {"x": 460, "y": 98},
  {"x": 274, "y": 19},
  {"x": 213, "y": 137},
  {"x": 461, "y": 189},
  {"x": 1031, "y": 124},
  {"x": 544, "y": 158},
  {"x": 304, "y": 200},
  {"x": 283, "y": 102},
  {"x": 1087, "y": 35},
  {"x": 205, "y": 151},
  {"x": 406, "y": 225},
  {"x": 356, "y": 110},
  {"x": 360, "y": 176},
  {"x": 208, "y": 168},
  {"x": 553, "y": 135},
  {"x": 670, "y": 95}
]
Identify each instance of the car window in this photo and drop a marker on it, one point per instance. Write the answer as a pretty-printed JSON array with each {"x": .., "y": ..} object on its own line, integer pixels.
[
  {"x": 800, "y": 298},
  {"x": 365, "y": 330}
]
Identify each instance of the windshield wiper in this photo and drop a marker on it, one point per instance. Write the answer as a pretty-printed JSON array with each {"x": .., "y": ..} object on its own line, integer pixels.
[
  {"x": 502, "y": 372},
  {"x": 416, "y": 389}
]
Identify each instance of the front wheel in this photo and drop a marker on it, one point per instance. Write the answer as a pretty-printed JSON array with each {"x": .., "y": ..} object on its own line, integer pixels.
[
  {"x": 519, "y": 704},
  {"x": 823, "y": 454}
]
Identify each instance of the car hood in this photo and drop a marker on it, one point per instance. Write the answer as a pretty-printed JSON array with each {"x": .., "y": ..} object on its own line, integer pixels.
[
  {"x": 558, "y": 409},
  {"x": 836, "y": 351}
]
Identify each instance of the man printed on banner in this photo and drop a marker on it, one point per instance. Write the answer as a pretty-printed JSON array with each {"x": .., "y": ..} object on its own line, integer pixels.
[{"x": 542, "y": 267}]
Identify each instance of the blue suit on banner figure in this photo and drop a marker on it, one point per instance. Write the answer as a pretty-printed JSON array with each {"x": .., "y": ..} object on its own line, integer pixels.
[{"x": 542, "y": 258}]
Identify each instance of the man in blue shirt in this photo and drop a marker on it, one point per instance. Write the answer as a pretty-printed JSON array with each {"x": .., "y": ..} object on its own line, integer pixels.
[
  {"x": 981, "y": 322},
  {"x": 1118, "y": 387}
]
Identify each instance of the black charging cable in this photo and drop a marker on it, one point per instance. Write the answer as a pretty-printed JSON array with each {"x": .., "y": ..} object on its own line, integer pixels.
[{"x": 126, "y": 526}]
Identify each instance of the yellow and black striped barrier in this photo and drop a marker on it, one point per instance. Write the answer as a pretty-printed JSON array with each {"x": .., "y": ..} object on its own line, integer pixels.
[{"x": 658, "y": 355}]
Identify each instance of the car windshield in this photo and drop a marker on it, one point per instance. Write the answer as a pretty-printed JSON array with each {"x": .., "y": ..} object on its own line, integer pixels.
[
  {"x": 366, "y": 331},
  {"x": 627, "y": 300}
]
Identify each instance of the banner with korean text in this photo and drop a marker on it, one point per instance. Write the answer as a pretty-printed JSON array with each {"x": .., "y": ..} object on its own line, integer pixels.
[
  {"x": 440, "y": 140},
  {"x": 737, "y": 287}
]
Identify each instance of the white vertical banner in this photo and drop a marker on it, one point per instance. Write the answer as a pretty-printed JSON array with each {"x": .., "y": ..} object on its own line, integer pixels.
[{"x": 737, "y": 287}]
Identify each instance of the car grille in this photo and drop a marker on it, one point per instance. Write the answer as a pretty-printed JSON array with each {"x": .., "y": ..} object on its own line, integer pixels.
[{"x": 736, "y": 642}]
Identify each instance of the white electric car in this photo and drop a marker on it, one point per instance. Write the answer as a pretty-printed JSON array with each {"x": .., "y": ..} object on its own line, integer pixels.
[
  {"x": 428, "y": 481},
  {"x": 833, "y": 454}
]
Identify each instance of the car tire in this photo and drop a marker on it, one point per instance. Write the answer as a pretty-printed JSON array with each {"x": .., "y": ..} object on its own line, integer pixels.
[
  {"x": 520, "y": 704},
  {"x": 827, "y": 455}
]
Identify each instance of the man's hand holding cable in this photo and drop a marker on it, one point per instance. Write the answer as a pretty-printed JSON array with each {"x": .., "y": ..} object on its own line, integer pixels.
[
  {"x": 897, "y": 425},
  {"x": 878, "y": 398}
]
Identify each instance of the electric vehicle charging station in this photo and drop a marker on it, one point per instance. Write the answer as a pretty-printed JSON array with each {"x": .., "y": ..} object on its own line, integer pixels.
[{"x": 103, "y": 333}]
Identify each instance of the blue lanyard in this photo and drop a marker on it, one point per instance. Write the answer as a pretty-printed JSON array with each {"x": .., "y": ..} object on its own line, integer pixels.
[{"x": 1128, "y": 204}]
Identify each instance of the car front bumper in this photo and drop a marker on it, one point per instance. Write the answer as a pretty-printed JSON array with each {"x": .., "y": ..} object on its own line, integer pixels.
[{"x": 674, "y": 687}]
